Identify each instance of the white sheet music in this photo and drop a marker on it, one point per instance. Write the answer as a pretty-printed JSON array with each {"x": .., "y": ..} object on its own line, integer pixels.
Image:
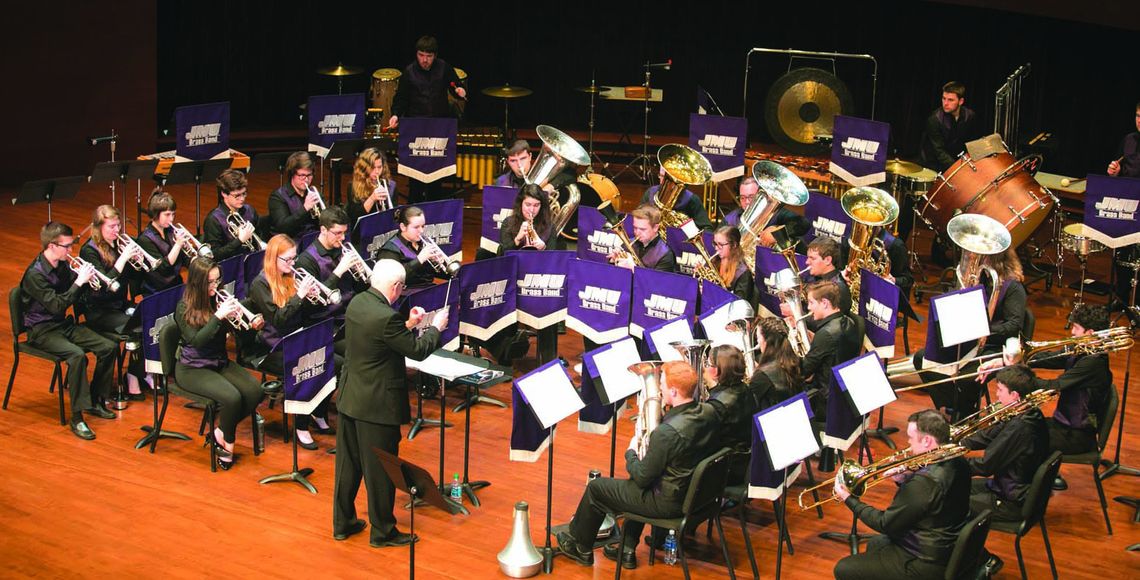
[
  {"x": 444, "y": 367},
  {"x": 613, "y": 369},
  {"x": 714, "y": 324},
  {"x": 675, "y": 331},
  {"x": 550, "y": 394},
  {"x": 867, "y": 383},
  {"x": 962, "y": 317},
  {"x": 788, "y": 434}
]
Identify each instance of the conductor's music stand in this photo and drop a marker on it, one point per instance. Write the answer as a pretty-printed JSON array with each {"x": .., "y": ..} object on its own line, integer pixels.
[
  {"x": 416, "y": 482},
  {"x": 490, "y": 376},
  {"x": 196, "y": 172},
  {"x": 61, "y": 188},
  {"x": 121, "y": 171}
]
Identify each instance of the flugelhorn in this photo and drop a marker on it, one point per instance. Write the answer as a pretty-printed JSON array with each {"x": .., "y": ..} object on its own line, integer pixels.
[
  {"x": 649, "y": 407},
  {"x": 139, "y": 259},
  {"x": 318, "y": 207},
  {"x": 870, "y": 209},
  {"x": 439, "y": 260},
  {"x": 778, "y": 187},
  {"x": 683, "y": 166},
  {"x": 324, "y": 295},
  {"x": 192, "y": 246},
  {"x": 99, "y": 280},
  {"x": 236, "y": 222},
  {"x": 356, "y": 265},
  {"x": 858, "y": 479},
  {"x": 242, "y": 319}
]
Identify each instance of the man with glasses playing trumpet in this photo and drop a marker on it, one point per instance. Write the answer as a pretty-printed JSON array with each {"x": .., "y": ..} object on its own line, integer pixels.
[
  {"x": 326, "y": 260},
  {"x": 920, "y": 526},
  {"x": 294, "y": 208},
  {"x": 51, "y": 284},
  {"x": 421, "y": 258},
  {"x": 230, "y": 229}
]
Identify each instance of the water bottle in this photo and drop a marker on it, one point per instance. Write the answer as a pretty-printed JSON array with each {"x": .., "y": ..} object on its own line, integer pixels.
[
  {"x": 456, "y": 490},
  {"x": 259, "y": 427},
  {"x": 671, "y": 549}
]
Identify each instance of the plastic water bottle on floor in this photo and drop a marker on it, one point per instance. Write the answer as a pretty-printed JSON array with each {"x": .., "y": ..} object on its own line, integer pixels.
[
  {"x": 671, "y": 548},
  {"x": 456, "y": 490}
]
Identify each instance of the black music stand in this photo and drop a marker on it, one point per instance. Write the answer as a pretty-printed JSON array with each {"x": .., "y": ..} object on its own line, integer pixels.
[
  {"x": 346, "y": 150},
  {"x": 270, "y": 163},
  {"x": 121, "y": 171},
  {"x": 490, "y": 376},
  {"x": 297, "y": 475},
  {"x": 61, "y": 188},
  {"x": 1115, "y": 467},
  {"x": 419, "y": 421},
  {"x": 196, "y": 172},
  {"x": 416, "y": 482}
]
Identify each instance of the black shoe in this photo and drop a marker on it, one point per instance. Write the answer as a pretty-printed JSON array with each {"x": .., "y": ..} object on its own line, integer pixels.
[
  {"x": 136, "y": 396},
  {"x": 219, "y": 449},
  {"x": 311, "y": 446},
  {"x": 628, "y": 557},
  {"x": 991, "y": 567},
  {"x": 569, "y": 547},
  {"x": 317, "y": 429},
  {"x": 395, "y": 540},
  {"x": 225, "y": 464},
  {"x": 81, "y": 430},
  {"x": 354, "y": 527},
  {"x": 1059, "y": 484},
  {"x": 101, "y": 412}
]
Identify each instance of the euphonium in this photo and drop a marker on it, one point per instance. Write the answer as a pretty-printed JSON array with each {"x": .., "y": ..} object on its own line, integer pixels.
[
  {"x": 558, "y": 151},
  {"x": 243, "y": 319},
  {"x": 324, "y": 295},
  {"x": 99, "y": 280},
  {"x": 236, "y": 222},
  {"x": 192, "y": 246},
  {"x": 140, "y": 260},
  {"x": 649, "y": 408},
  {"x": 617, "y": 225},
  {"x": 740, "y": 319},
  {"x": 318, "y": 207},
  {"x": 696, "y": 353},
  {"x": 870, "y": 209},
  {"x": 858, "y": 479},
  {"x": 778, "y": 187},
  {"x": 356, "y": 265},
  {"x": 683, "y": 166},
  {"x": 790, "y": 292},
  {"x": 440, "y": 261}
]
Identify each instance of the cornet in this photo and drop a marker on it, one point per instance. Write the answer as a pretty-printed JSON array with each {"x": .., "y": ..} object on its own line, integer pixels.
[
  {"x": 192, "y": 246},
  {"x": 439, "y": 260},
  {"x": 318, "y": 207},
  {"x": 382, "y": 185},
  {"x": 531, "y": 233},
  {"x": 139, "y": 260},
  {"x": 243, "y": 319},
  {"x": 356, "y": 265},
  {"x": 99, "y": 280},
  {"x": 324, "y": 295},
  {"x": 236, "y": 222}
]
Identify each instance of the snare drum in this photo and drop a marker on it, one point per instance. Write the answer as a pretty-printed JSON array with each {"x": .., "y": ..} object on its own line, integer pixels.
[
  {"x": 918, "y": 184},
  {"x": 1075, "y": 239}
]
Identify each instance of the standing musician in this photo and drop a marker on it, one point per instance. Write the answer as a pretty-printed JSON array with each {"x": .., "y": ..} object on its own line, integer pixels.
[
  {"x": 408, "y": 248},
  {"x": 291, "y": 206},
  {"x": 204, "y": 367},
  {"x": 372, "y": 188},
  {"x": 105, "y": 310},
  {"x": 1127, "y": 161},
  {"x": 921, "y": 525},
  {"x": 284, "y": 303},
  {"x": 48, "y": 288},
  {"x": 651, "y": 250},
  {"x": 794, "y": 224},
  {"x": 373, "y": 402},
  {"x": 518, "y": 162},
  {"x": 160, "y": 241},
  {"x": 838, "y": 338},
  {"x": 777, "y": 375},
  {"x": 730, "y": 265},
  {"x": 657, "y": 482},
  {"x": 1014, "y": 449},
  {"x": 323, "y": 260},
  {"x": 232, "y": 190},
  {"x": 687, "y": 203}
]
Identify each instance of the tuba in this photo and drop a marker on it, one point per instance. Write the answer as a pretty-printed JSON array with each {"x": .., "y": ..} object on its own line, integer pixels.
[
  {"x": 696, "y": 353},
  {"x": 870, "y": 209},
  {"x": 978, "y": 236},
  {"x": 617, "y": 225},
  {"x": 236, "y": 223},
  {"x": 778, "y": 187},
  {"x": 859, "y": 479},
  {"x": 682, "y": 166},
  {"x": 192, "y": 246},
  {"x": 558, "y": 151},
  {"x": 649, "y": 408}
]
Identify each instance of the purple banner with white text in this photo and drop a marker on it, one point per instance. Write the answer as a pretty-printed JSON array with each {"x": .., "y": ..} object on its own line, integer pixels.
[
  {"x": 433, "y": 299},
  {"x": 334, "y": 118},
  {"x": 598, "y": 300},
  {"x": 722, "y": 140},
  {"x": 202, "y": 131},
  {"x": 310, "y": 375},
  {"x": 488, "y": 291},
  {"x": 859, "y": 150},
  {"x": 426, "y": 149},
  {"x": 498, "y": 205},
  {"x": 826, "y": 218},
  {"x": 879, "y": 307},
  {"x": 374, "y": 230},
  {"x": 660, "y": 296},
  {"x": 688, "y": 260},
  {"x": 1111, "y": 205},
  {"x": 596, "y": 241},
  {"x": 542, "y": 286},
  {"x": 443, "y": 224},
  {"x": 156, "y": 311},
  {"x": 768, "y": 263}
]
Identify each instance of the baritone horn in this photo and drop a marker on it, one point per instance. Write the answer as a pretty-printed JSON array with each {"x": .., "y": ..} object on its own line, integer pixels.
[
  {"x": 243, "y": 319},
  {"x": 790, "y": 291},
  {"x": 696, "y": 353},
  {"x": 649, "y": 407},
  {"x": 192, "y": 246},
  {"x": 236, "y": 222},
  {"x": 870, "y": 209},
  {"x": 99, "y": 280},
  {"x": 356, "y": 265},
  {"x": 778, "y": 187},
  {"x": 740, "y": 319},
  {"x": 682, "y": 166},
  {"x": 140, "y": 260},
  {"x": 323, "y": 296}
]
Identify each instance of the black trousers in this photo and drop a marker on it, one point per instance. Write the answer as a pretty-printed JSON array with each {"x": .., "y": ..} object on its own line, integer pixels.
[
  {"x": 274, "y": 364},
  {"x": 72, "y": 342},
  {"x": 885, "y": 559},
  {"x": 354, "y": 460},
  {"x": 1070, "y": 441},
  {"x": 235, "y": 390},
  {"x": 110, "y": 324},
  {"x": 608, "y": 495},
  {"x": 983, "y": 498}
]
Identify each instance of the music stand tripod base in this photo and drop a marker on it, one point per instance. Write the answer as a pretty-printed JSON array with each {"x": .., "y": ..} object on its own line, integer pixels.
[{"x": 300, "y": 476}]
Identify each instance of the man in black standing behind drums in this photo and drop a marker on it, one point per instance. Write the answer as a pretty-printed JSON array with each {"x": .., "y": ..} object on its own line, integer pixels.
[
  {"x": 944, "y": 136},
  {"x": 422, "y": 92},
  {"x": 1126, "y": 164}
]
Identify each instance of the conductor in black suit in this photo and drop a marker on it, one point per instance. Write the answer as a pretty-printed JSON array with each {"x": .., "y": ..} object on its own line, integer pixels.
[{"x": 373, "y": 401}]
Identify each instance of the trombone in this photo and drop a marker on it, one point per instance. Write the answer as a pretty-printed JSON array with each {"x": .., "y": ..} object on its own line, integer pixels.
[
  {"x": 193, "y": 247},
  {"x": 140, "y": 260},
  {"x": 243, "y": 319},
  {"x": 236, "y": 222},
  {"x": 324, "y": 296},
  {"x": 859, "y": 479},
  {"x": 356, "y": 265},
  {"x": 99, "y": 280},
  {"x": 439, "y": 260}
]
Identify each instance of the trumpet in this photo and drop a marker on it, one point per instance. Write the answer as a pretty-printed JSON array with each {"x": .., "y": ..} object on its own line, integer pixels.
[
  {"x": 859, "y": 479},
  {"x": 318, "y": 207},
  {"x": 439, "y": 260},
  {"x": 382, "y": 185},
  {"x": 236, "y": 222},
  {"x": 139, "y": 260},
  {"x": 356, "y": 265},
  {"x": 192, "y": 246},
  {"x": 99, "y": 280},
  {"x": 243, "y": 319},
  {"x": 324, "y": 295}
]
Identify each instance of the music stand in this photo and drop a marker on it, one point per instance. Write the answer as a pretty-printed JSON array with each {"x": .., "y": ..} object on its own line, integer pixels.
[
  {"x": 62, "y": 188},
  {"x": 490, "y": 376},
  {"x": 270, "y": 162},
  {"x": 1115, "y": 466},
  {"x": 613, "y": 383},
  {"x": 346, "y": 149},
  {"x": 196, "y": 172},
  {"x": 417, "y": 483},
  {"x": 121, "y": 171}
]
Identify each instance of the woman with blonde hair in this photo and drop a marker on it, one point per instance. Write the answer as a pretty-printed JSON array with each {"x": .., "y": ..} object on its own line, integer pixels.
[{"x": 372, "y": 185}]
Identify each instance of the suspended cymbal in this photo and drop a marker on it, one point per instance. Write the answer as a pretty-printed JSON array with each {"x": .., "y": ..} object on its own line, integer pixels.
[
  {"x": 340, "y": 70},
  {"x": 802, "y": 105},
  {"x": 900, "y": 167},
  {"x": 506, "y": 92},
  {"x": 589, "y": 90}
]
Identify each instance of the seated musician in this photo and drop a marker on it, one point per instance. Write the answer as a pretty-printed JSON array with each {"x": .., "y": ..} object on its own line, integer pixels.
[
  {"x": 291, "y": 205},
  {"x": 824, "y": 262},
  {"x": 204, "y": 367},
  {"x": 794, "y": 224},
  {"x": 921, "y": 525},
  {"x": 323, "y": 260},
  {"x": 777, "y": 375},
  {"x": 518, "y": 161},
  {"x": 232, "y": 190},
  {"x": 838, "y": 338},
  {"x": 372, "y": 188},
  {"x": 529, "y": 227},
  {"x": 687, "y": 203},
  {"x": 733, "y": 400},
  {"x": 104, "y": 310},
  {"x": 730, "y": 265},
  {"x": 159, "y": 240},
  {"x": 651, "y": 250},
  {"x": 285, "y": 305},
  {"x": 1014, "y": 449},
  {"x": 408, "y": 248},
  {"x": 48, "y": 288},
  {"x": 657, "y": 482}
]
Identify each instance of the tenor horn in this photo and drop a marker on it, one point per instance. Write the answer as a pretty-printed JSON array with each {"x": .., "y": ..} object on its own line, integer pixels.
[
  {"x": 683, "y": 166},
  {"x": 870, "y": 209},
  {"x": 778, "y": 187}
]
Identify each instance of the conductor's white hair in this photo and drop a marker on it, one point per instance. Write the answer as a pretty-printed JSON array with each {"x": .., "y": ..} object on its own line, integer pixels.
[{"x": 387, "y": 273}]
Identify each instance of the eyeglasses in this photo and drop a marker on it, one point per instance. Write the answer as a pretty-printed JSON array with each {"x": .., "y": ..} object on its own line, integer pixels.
[
  {"x": 214, "y": 281},
  {"x": 304, "y": 175},
  {"x": 289, "y": 260},
  {"x": 238, "y": 194},
  {"x": 64, "y": 246},
  {"x": 721, "y": 244}
]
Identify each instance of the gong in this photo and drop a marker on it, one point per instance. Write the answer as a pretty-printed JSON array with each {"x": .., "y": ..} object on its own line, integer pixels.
[{"x": 802, "y": 105}]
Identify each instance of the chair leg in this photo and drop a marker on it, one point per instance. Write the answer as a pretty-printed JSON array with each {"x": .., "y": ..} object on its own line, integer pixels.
[
  {"x": 1048, "y": 548},
  {"x": 1020, "y": 560},
  {"x": 57, "y": 379},
  {"x": 748, "y": 540},
  {"x": 617, "y": 569},
  {"x": 12, "y": 377},
  {"x": 681, "y": 555},
  {"x": 724, "y": 549},
  {"x": 1100, "y": 492},
  {"x": 213, "y": 450}
]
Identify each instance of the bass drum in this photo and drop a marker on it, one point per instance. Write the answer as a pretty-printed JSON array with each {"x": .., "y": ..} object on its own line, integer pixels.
[
  {"x": 595, "y": 190},
  {"x": 997, "y": 186}
]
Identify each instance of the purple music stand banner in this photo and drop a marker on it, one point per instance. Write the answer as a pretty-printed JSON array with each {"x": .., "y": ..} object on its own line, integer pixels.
[
  {"x": 374, "y": 230},
  {"x": 722, "y": 140},
  {"x": 598, "y": 300},
  {"x": 596, "y": 241},
  {"x": 768, "y": 263},
  {"x": 826, "y": 218},
  {"x": 597, "y": 416},
  {"x": 426, "y": 148},
  {"x": 202, "y": 131},
  {"x": 859, "y": 150},
  {"x": 1111, "y": 205},
  {"x": 879, "y": 306},
  {"x": 713, "y": 297},
  {"x": 658, "y": 297},
  {"x": 443, "y": 224},
  {"x": 498, "y": 205},
  {"x": 334, "y": 118},
  {"x": 252, "y": 264},
  {"x": 764, "y": 481},
  {"x": 949, "y": 355},
  {"x": 688, "y": 259},
  {"x": 488, "y": 291},
  {"x": 156, "y": 311},
  {"x": 433, "y": 299},
  {"x": 310, "y": 375},
  {"x": 542, "y": 286}
]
